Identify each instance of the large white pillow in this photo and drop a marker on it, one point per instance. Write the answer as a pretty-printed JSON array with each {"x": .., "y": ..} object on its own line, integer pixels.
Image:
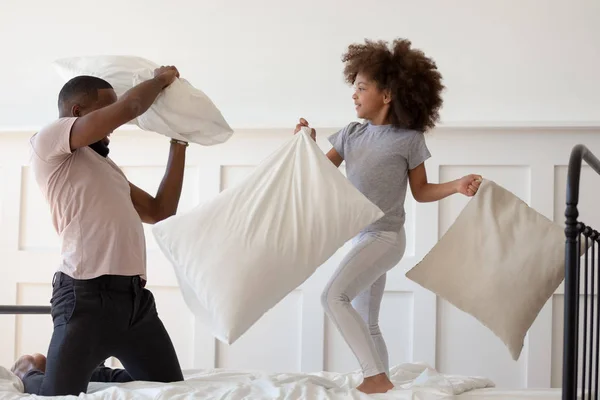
[
  {"x": 500, "y": 262},
  {"x": 180, "y": 111},
  {"x": 238, "y": 255}
]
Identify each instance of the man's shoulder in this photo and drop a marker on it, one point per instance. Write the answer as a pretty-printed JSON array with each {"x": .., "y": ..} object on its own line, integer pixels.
[
  {"x": 57, "y": 125},
  {"x": 52, "y": 141}
]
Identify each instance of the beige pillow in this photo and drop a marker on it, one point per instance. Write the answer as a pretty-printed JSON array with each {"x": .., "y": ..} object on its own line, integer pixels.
[{"x": 500, "y": 262}]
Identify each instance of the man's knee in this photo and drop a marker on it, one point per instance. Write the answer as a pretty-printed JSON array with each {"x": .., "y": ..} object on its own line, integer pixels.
[{"x": 176, "y": 376}]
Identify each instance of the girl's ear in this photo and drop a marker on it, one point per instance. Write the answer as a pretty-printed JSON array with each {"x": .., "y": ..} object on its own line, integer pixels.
[{"x": 387, "y": 96}]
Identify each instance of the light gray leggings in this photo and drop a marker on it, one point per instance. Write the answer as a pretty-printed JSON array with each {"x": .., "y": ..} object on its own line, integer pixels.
[{"x": 360, "y": 279}]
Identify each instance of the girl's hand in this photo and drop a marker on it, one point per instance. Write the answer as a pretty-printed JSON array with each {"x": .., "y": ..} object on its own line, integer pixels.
[
  {"x": 302, "y": 123},
  {"x": 468, "y": 185}
]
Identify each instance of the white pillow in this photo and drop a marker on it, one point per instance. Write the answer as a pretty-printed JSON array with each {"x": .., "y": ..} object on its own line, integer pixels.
[
  {"x": 180, "y": 111},
  {"x": 500, "y": 262},
  {"x": 238, "y": 255}
]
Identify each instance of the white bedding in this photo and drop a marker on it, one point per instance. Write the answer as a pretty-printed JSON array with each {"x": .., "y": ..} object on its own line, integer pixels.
[
  {"x": 523, "y": 394},
  {"x": 412, "y": 381}
]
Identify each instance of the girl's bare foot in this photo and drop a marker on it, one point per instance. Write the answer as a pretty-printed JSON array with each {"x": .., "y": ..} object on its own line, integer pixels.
[
  {"x": 376, "y": 384},
  {"x": 28, "y": 362}
]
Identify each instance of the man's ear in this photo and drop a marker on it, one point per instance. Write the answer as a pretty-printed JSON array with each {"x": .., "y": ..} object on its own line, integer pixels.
[{"x": 76, "y": 110}]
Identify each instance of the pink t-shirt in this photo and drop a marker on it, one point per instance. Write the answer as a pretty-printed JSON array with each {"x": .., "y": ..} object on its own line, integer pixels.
[{"x": 90, "y": 202}]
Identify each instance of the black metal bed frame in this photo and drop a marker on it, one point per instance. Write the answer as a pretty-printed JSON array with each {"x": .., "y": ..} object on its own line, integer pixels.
[
  {"x": 24, "y": 309},
  {"x": 574, "y": 232}
]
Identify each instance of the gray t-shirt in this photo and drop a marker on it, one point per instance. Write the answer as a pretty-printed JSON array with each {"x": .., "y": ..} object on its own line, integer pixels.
[{"x": 378, "y": 158}]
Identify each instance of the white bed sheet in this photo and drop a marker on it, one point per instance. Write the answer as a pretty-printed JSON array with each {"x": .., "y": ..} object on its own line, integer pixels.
[
  {"x": 523, "y": 394},
  {"x": 412, "y": 381}
]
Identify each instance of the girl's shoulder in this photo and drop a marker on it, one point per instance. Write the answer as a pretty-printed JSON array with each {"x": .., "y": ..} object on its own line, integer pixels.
[
  {"x": 380, "y": 133},
  {"x": 355, "y": 128}
]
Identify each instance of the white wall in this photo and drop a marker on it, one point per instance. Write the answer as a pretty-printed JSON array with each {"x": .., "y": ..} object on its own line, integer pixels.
[{"x": 266, "y": 62}]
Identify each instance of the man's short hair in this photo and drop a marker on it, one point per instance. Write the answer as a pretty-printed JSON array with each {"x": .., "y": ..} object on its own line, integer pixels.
[{"x": 81, "y": 89}]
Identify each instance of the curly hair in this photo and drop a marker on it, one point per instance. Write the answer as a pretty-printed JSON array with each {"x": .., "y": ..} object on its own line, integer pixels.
[{"x": 413, "y": 79}]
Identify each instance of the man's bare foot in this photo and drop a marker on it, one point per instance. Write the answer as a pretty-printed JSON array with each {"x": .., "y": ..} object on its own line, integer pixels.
[
  {"x": 376, "y": 384},
  {"x": 28, "y": 362},
  {"x": 39, "y": 361}
]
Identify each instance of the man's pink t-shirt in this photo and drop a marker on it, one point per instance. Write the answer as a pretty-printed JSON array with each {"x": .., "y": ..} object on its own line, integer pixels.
[{"x": 90, "y": 202}]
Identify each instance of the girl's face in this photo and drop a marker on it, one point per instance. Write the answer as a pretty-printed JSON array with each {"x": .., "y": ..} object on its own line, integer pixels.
[{"x": 371, "y": 103}]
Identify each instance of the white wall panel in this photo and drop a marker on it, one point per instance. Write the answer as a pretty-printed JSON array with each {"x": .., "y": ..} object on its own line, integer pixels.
[{"x": 457, "y": 330}]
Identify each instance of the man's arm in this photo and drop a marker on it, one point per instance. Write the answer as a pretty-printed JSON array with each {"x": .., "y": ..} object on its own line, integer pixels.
[
  {"x": 154, "y": 209},
  {"x": 96, "y": 125}
]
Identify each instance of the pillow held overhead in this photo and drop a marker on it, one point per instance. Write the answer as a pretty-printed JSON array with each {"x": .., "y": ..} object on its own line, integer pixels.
[{"x": 180, "y": 111}]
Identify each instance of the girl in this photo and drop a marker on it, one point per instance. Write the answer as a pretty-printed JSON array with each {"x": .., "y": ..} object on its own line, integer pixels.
[{"x": 398, "y": 95}]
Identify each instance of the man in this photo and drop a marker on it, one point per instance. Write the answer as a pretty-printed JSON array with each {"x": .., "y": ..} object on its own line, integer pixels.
[{"x": 100, "y": 307}]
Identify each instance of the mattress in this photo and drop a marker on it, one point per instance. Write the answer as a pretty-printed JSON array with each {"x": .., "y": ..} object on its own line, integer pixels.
[{"x": 412, "y": 382}]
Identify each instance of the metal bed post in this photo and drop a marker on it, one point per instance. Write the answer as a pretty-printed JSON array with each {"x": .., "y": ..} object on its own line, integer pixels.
[
  {"x": 574, "y": 230},
  {"x": 24, "y": 309}
]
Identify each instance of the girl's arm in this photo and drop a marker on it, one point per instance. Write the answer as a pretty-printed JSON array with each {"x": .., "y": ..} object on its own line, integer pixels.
[
  {"x": 425, "y": 192},
  {"x": 332, "y": 154},
  {"x": 334, "y": 157}
]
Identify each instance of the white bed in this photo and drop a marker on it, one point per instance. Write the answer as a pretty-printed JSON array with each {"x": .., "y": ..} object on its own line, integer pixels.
[{"x": 412, "y": 381}]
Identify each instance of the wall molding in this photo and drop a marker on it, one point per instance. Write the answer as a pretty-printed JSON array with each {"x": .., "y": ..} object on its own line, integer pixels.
[{"x": 466, "y": 126}]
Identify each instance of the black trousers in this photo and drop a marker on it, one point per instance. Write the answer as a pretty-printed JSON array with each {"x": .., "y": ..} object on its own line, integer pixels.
[
  {"x": 94, "y": 320},
  {"x": 33, "y": 380}
]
